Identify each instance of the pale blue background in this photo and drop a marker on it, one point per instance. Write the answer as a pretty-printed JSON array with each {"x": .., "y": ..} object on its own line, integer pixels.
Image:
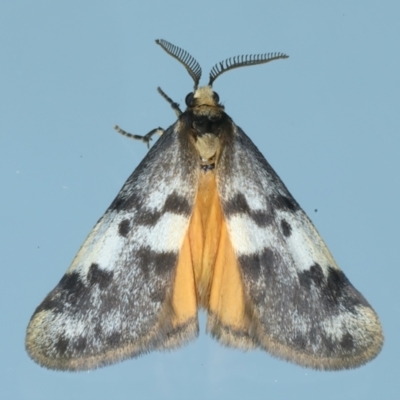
[{"x": 326, "y": 119}]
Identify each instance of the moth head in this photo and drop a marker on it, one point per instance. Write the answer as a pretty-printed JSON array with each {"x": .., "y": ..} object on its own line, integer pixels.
[{"x": 204, "y": 101}]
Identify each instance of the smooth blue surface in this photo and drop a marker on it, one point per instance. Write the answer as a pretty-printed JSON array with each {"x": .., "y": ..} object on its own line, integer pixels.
[{"x": 327, "y": 119}]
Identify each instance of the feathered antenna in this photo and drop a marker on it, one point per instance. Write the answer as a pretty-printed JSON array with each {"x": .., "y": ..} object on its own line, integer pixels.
[
  {"x": 242, "y": 61},
  {"x": 191, "y": 65}
]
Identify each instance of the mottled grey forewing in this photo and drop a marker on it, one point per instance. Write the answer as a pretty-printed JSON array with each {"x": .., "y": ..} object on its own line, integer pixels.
[
  {"x": 306, "y": 309},
  {"x": 112, "y": 302}
]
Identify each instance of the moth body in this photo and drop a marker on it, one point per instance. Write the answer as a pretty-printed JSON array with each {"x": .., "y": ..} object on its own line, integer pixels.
[{"x": 204, "y": 221}]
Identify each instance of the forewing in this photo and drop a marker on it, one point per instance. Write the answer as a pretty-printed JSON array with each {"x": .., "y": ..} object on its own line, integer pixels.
[
  {"x": 116, "y": 300},
  {"x": 299, "y": 304}
]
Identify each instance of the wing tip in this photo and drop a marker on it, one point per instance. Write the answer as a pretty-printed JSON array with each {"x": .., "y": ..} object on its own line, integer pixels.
[
  {"x": 345, "y": 354},
  {"x": 327, "y": 363},
  {"x": 44, "y": 348}
]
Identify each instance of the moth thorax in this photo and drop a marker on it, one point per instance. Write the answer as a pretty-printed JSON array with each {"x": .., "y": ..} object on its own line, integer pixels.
[
  {"x": 214, "y": 113},
  {"x": 208, "y": 146}
]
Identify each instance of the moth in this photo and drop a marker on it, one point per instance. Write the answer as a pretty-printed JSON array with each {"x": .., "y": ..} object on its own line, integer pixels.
[{"x": 204, "y": 222}]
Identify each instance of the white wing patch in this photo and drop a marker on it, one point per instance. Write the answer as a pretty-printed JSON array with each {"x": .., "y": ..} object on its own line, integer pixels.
[
  {"x": 248, "y": 237},
  {"x": 304, "y": 243},
  {"x": 103, "y": 246}
]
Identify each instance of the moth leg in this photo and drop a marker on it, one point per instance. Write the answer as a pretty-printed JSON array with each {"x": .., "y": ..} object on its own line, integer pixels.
[
  {"x": 146, "y": 138},
  {"x": 174, "y": 106}
]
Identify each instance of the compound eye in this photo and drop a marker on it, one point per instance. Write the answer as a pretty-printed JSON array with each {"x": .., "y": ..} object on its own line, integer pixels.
[
  {"x": 216, "y": 97},
  {"x": 189, "y": 99}
]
